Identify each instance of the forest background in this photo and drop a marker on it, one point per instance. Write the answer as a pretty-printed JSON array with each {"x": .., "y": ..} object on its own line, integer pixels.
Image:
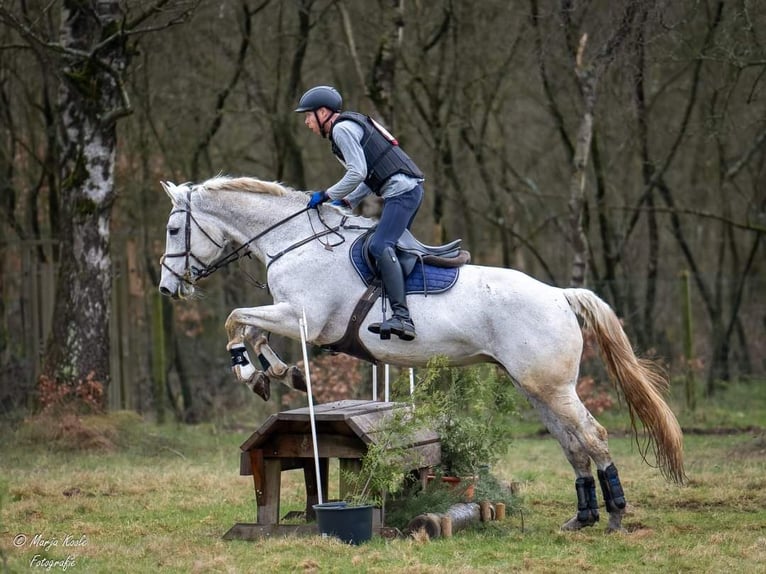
[{"x": 619, "y": 145}]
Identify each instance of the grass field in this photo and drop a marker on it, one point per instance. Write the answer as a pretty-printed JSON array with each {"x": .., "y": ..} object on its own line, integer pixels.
[{"x": 158, "y": 499}]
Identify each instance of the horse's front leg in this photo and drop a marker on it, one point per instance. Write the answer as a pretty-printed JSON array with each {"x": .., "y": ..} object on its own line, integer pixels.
[{"x": 248, "y": 325}]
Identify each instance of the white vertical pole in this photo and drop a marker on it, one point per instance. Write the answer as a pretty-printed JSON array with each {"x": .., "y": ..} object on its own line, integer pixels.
[
  {"x": 386, "y": 371},
  {"x": 304, "y": 335},
  {"x": 374, "y": 381},
  {"x": 412, "y": 381}
]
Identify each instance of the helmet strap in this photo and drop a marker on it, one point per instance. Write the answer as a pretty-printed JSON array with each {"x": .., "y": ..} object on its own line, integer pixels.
[{"x": 324, "y": 123}]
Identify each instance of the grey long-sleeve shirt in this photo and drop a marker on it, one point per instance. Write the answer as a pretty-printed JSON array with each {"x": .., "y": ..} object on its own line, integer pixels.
[{"x": 347, "y": 135}]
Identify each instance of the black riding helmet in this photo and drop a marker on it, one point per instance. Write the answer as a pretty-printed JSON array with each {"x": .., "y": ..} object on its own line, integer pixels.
[{"x": 320, "y": 97}]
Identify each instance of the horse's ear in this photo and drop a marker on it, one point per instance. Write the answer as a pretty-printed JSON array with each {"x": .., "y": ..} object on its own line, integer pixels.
[{"x": 169, "y": 187}]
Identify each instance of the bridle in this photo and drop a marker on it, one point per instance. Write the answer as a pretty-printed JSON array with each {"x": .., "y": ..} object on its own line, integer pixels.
[{"x": 193, "y": 273}]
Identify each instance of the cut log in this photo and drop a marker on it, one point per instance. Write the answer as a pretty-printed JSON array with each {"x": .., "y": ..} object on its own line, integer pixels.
[{"x": 462, "y": 515}]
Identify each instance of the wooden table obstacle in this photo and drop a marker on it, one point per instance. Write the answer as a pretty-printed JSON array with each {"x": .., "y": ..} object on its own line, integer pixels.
[{"x": 345, "y": 429}]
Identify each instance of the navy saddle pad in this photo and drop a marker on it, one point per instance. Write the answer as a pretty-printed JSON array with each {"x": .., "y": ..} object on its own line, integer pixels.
[{"x": 422, "y": 279}]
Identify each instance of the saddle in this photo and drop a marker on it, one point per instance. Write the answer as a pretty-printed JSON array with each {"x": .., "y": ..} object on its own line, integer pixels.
[{"x": 427, "y": 270}]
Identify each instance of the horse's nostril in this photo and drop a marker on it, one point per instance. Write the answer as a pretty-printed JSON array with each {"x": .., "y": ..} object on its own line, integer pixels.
[{"x": 165, "y": 291}]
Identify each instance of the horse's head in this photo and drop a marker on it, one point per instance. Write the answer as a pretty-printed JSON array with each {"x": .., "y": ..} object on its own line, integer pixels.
[{"x": 191, "y": 244}]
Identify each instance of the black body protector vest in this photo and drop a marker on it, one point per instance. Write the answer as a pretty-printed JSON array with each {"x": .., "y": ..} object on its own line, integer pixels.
[{"x": 381, "y": 151}]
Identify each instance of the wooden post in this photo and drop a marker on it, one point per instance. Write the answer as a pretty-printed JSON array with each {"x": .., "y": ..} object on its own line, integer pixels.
[
  {"x": 159, "y": 371},
  {"x": 500, "y": 511},
  {"x": 686, "y": 314},
  {"x": 486, "y": 511},
  {"x": 268, "y": 512},
  {"x": 446, "y": 526}
]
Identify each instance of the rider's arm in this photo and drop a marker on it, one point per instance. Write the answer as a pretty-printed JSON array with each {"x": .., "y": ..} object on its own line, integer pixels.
[
  {"x": 355, "y": 197},
  {"x": 347, "y": 136}
]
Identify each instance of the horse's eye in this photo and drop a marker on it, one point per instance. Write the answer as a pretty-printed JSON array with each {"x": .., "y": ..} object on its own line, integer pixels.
[{"x": 172, "y": 231}]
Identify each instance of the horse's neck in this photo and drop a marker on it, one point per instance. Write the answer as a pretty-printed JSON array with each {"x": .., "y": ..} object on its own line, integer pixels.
[{"x": 243, "y": 216}]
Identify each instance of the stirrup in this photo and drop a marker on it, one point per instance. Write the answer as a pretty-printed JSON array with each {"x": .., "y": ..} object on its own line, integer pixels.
[{"x": 402, "y": 328}]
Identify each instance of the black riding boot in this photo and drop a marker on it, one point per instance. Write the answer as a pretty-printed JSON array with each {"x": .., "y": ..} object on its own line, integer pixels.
[{"x": 400, "y": 324}]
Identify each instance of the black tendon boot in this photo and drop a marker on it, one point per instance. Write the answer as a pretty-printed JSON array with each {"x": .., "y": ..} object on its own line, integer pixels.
[
  {"x": 614, "y": 497},
  {"x": 587, "y": 504},
  {"x": 400, "y": 323}
]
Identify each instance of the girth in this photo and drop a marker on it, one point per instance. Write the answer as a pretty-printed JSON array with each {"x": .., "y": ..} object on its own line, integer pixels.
[{"x": 350, "y": 343}]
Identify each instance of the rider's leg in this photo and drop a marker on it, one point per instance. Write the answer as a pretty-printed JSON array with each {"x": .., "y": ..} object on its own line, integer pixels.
[
  {"x": 398, "y": 213},
  {"x": 400, "y": 323}
]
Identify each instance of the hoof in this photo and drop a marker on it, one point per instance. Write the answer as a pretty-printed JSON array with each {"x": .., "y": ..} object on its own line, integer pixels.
[
  {"x": 615, "y": 523},
  {"x": 576, "y": 524},
  {"x": 261, "y": 386},
  {"x": 297, "y": 380}
]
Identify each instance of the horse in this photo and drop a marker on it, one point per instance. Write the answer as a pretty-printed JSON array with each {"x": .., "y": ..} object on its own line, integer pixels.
[{"x": 491, "y": 314}]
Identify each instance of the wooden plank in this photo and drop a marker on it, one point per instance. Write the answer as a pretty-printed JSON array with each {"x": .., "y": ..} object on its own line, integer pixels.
[
  {"x": 340, "y": 410},
  {"x": 301, "y": 446},
  {"x": 262, "y": 431},
  {"x": 258, "y": 471},
  {"x": 268, "y": 508},
  {"x": 312, "y": 486},
  {"x": 345, "y": 466},
  {"x": 244, "y": 464},
  {"x": 425, "y": 455},
  {"x": 253, "y": 532},
  {"x": 364, "y": 424}
]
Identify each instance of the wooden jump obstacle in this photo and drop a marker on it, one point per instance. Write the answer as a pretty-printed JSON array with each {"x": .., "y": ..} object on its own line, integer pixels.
[{"x": 345, "y": 429}]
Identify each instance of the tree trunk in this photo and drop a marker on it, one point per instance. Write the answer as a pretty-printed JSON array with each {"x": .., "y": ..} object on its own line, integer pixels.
[
  {"x": 382, "y": 84},
  {"x": 588, "y": 81},
  {"x": 90, "y": 100}
]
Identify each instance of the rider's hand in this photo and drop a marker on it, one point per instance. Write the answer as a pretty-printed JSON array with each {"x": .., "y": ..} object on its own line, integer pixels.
[
  {"x": 342, "y": 205},
  {"x": 317, "y": 197}
]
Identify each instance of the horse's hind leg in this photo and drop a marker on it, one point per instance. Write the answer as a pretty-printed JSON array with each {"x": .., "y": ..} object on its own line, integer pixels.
[
  {"x": 273, "y": 365},
  {"x": 583, "y": 439}
]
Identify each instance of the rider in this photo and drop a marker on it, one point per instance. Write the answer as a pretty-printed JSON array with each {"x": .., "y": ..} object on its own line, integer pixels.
[{"x": 376, "y": 164}]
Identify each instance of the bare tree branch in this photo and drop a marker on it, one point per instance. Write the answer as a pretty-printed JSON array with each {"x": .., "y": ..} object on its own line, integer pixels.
[
  {"x": 745, "y": 158},
  {"x": 745, "y": 226},
  {"x": 351, "y": 43},
  {"x": 226, "y": 91}
]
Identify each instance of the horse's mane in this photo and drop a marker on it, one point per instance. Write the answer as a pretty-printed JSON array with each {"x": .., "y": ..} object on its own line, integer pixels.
[
  {"x": 251, "y": 184},
  {"x": 224, "y": 183}
]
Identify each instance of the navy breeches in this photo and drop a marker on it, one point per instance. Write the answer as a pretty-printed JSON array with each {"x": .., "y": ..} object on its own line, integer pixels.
[{"x": 398, "y": 213}]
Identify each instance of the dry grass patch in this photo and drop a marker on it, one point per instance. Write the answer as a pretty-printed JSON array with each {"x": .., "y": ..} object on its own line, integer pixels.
[{"x": 162, "y": 499}]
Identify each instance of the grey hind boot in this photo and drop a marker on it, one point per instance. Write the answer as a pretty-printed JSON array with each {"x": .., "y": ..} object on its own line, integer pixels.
[{"x": 400, "y": 323}]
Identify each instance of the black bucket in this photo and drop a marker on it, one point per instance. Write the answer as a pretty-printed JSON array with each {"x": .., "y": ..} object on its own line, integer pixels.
[{"x": 352, "y": 524}]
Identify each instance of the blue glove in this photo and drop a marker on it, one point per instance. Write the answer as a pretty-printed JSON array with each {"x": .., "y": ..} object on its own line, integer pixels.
[
  {"x": 316, "y": 198},
  {"x": 343, "y": 206},
  {"x": 342, "y": 203}
]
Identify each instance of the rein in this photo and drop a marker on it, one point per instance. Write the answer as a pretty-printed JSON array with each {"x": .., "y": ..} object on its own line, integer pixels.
[
  {"x": 327, "y": 231},
  {"x": 192, "y": 274}
]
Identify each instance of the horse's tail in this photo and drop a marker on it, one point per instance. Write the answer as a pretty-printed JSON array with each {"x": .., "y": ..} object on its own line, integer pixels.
[{"x": 642, "y": 382}]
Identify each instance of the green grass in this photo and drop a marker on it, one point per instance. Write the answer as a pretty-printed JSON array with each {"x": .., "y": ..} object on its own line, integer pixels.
[{"x": 158, "y": 499}]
